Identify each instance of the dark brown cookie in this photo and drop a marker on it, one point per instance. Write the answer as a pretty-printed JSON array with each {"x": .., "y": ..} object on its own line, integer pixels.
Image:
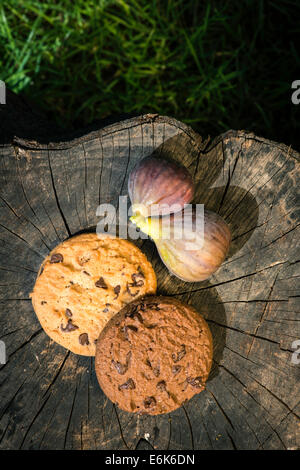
[{"x": 154, "y": 355}]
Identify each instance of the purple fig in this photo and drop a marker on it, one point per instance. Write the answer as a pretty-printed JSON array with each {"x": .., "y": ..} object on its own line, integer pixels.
[
  {"x": 191, "y": 244},
  {"x": 157, "y": 187}
]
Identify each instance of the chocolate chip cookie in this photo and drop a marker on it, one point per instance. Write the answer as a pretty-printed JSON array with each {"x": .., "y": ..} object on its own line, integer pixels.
[
  {"x": 84, "y": 282},
  {"x": 154, "y": 355}
]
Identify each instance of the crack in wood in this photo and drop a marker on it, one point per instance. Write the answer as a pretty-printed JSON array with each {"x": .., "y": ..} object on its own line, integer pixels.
[
  {"x": 222, "y": 410},
  {"x": 22, "y": 239},
  {"x": 24, "y": 344},
  {"x": 281, "y": 236},
  {"x": 120, "y": 427},
  {"x": 56, "y": 197},
  {"x": 33, "y": 421},
  {"x": 57, "y": 374},
  {"x": 228, "y": 281},
  {"x": 190, "y": 426},
  {"x": 72, "y": 408}
]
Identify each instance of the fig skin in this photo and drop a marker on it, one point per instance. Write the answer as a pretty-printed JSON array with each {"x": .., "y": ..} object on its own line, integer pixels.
[
  {"x": 189, "y": 264},
  {"x": 157, "y": 186}
]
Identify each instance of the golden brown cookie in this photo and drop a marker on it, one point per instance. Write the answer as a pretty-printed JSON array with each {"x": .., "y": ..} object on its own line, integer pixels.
[
  {"x": 154, "y": 355},
  {"x": 85, "y": 281}
]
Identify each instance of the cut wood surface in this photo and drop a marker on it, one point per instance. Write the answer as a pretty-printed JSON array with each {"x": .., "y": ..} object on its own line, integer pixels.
[{"x": 49, "y": 397}]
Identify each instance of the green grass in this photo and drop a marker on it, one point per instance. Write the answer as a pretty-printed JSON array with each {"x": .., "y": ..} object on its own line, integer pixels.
[{"x": 214, "y": 65}]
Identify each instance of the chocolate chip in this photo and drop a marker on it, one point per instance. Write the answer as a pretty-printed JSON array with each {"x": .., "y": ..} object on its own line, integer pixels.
[
  {"x": 156, "y": 369},
  {"x": 43, "y": 302},
  {"x": 136, "y": 282},
  {"x": 137, "y": 279},
  {"x": 150, "y": 327},
  {"x": 117, "y": 290},
  {"x": 128, "y": 357},
  {"x": 148, "y": 363},
  {"x": 69, "y": 313},
  {"x": 106, "y": 309},
  {"x": 85, "y": 272},
  {"x": 149, "y": 402},
  {"x": 134, "y": 314},
  {"x": 129, "y": 385},
  {"x": 101, "y": 283},
  {"x": 141, "y": 272},
  {"x": 132, "y": 327},
  {"x": 177, "y": 357},
  {"x": 120, "y": 368},
  {"x": 124, "y": 331},
  {"x": 69, "y": 327},
  {"x": 138, "y": 317},
  {"x": 195, "y": 382},
  {"x": 84, "y": 259},
  {"x": 56, "y": 258},
  {"x": 161, "y": 386},
  {"x": 84, "y": 339},
  {"x": 129, "y": 291},
  {"x": 153, "y": 306},
  {"x": 176, "y": 369}
]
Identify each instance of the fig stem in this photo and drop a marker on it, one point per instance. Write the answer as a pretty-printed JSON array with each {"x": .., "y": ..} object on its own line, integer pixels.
[
  {"x": 138, "y": 220},
  {"x": 147, "y": 225}
]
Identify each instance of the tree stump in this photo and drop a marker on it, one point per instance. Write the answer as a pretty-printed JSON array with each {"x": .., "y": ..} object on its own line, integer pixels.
[{"x": 49, "y": 397}]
